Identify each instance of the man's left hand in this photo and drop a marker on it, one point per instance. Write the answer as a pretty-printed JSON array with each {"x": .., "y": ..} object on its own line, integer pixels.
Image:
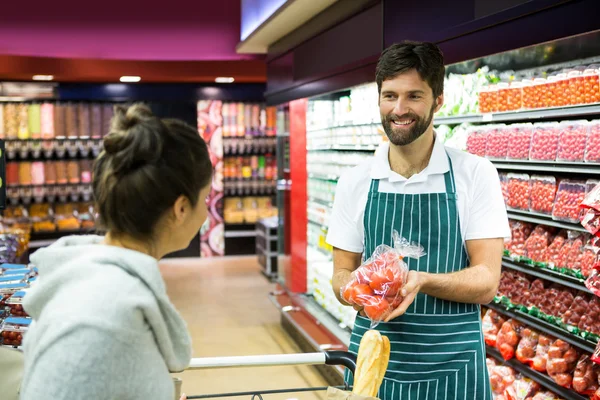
[{"x": 413, "y": 285}]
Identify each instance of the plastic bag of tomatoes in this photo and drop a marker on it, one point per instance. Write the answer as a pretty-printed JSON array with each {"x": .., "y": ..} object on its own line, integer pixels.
[
  {"x": 590, "y": 211},
  {"x": 376, "y": 284}
]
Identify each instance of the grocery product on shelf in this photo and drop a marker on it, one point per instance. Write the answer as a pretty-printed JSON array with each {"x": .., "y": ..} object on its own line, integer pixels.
[
  {"x": 12, "y": 331},
  {"x": 519, "y": 141},
  {"x": 497, "y": 142},
  {"x": 520, "y": 231},
  {"x": 592, "y": 149},
  {"x": 540, "y": 359},
  {"x": 572, "y": 140},
  {"x": 543, "y": 194},
  {"x": 14, "y": 304},
  {"x": 488, "y": 99},
  {"x": 538, "y": 242},
  {"x": 477, "y": 137},
  {"x": 586, "y": 377},
  {"x": 569, "y": 196},
  {"x": 508, "y": 338},
  {"x": 562, "y": 360},
  {"x": 544, "y": 142},
  {"x": 491, "y": 324},
  {"x": 519, "y": 191},
  {"x": 501, "y": 377}
]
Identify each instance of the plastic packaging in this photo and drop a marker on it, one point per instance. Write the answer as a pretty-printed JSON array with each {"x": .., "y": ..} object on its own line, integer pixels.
[
  {"x": 520, "y": 231},
  {"x": 503, "y": 94},
  {"x": 501, "y": 377},
  {"x": 585, "y": 379},
  {"x": 590, "y": 258},
  {"x": 514, "y": 98},
  {"x": 519, "y": 191},
  {"x": 526, "y": 349},
  {"x": 504, "y": 186},
  {"x": 590, "y": 209},
  {"x": 569, "y": 196},
  {"x": 519, "y": 141},
  {"x": 572, "y": 140},
  {"x": 544, "y": 143},
  {"x": 488, "y": 99},
  {"x": 590, "y": 321},
  {"x": 543, "y": 193},
  {"x": 540, "y": 89},
  {"x": 540, "y": 360},
  {"x": 491, "y": 324},
  {"x": 15, "y": 304},
  {"x": 562, "y": 360},
  {"x": 12, "y": 331},
  {"x": 508, "y": 338},
  {"x": 537, "y": 243},
  {"x": 521, "y": 389},
  {"x": 593, "y": 282},
  {"x": 477, "y": 140},
  {"x": 528, "y": 94},
  {"x": 591, "y": 88},
  {"x": 551, "y": 255},
  {"x": 376, "y": 284},
  {"x": 497, "y": 142},
  {"x": 572, "y": 317}
]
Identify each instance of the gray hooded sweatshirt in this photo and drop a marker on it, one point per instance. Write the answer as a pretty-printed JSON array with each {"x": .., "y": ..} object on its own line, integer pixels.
[{"x": 103, "y": 328}]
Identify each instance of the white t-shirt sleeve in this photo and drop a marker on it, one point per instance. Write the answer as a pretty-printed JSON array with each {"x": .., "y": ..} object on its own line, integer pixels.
[
  {"x": 487, "y": 211},
  {"x": 344, "y": 231}
]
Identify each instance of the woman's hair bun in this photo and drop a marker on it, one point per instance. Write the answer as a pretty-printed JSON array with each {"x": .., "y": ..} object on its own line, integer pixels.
[{"x": 135, "y": 139}]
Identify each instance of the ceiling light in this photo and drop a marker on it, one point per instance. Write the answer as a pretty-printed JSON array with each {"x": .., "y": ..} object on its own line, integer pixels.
[
  {"x": 224, "y": 79},
  {"x": 43, "y": 77},
  {"x": 130, "y": 78}
]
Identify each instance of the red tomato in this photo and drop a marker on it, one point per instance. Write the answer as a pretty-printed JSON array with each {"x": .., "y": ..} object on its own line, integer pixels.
[
  {"x": 378, "y": 309},
  {"x": 362, "y": 294},
  {"x": 348, "y": 293},
  {"x": 394, "y": 301}
]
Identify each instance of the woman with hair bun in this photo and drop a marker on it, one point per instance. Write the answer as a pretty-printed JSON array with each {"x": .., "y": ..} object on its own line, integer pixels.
[{"x": 103, "y": 326}]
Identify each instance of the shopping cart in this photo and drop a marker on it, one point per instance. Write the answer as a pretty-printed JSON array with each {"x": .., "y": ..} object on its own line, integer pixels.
[{"x": 331, "y": 358}]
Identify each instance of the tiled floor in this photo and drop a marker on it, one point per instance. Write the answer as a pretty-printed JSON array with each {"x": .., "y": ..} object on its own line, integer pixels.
[{"x": 228, "y": 312}]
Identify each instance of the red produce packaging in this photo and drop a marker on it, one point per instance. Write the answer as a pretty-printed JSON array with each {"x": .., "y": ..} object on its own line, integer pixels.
[
  {"x": 501, "y": 377},
  {"x": 596, "y": 358},
  {"x": 507, "y": 282},
  {"x": 563, "y": 302},
  {"x": 590, "y": 320},
  {"x": 520, "y": 231},
  {"x": 503, "y": 94},
  {"x": 540, "y": 360},
  {"x": 536, "y": 293},
  {"x": 491, "y": 324},
  {"x": 504, "y": 186},
  {"x": 537, "y": 243},
  {"x": 527, "y": 346},
  {"x": 519, "y": 141},
  {"x": 522, "y": 389},
  {"x": 477, "y": 140},
  {"x": 592, "y": 149},
  {"x": 497, "y": 142},
  {"x": 551, "y": 254},
  {"x": 585, "y": 379},
  {"x": 569, "y": 196},
  {"x": 562, "y": 360},
  {"x": 520, "y": 289},
  {"x": 508, "y": 338},
  {"x": 514, "y": 100},
  {"x": 376, "y": 284},
  {"x": 590, "y": 208},
  {"x": 519, "y": 191},
  {"x": 545, "y": 396},
  {"x": 488, "y": 99},
  {"x": 544, "y": 143},
  {"x": 548, "y": 302},
  {"x": 540, "y": 89},
  {"x": 578, "y": 308},
  {"x": 589, "y": 259},
  {"x": 528, "y": 94},
  {"x": 593, "y": 282},
  {"x": 572, "y": 140}
]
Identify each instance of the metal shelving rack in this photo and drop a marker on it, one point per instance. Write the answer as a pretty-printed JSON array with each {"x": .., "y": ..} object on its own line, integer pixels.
[
  {"x": 548, "y": 166},
  {"x": 543, "y": 219},
  {"x": 547, "y": 274}
]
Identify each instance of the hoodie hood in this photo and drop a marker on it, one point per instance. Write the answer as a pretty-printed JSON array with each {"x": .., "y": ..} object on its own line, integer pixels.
[{"x": 130, "y": 279}]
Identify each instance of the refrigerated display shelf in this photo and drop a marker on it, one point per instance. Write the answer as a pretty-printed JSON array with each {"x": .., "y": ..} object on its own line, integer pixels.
[
  {"x": 548, "y": 166},
  {"x": 525, "y": 115},
  {"x": 324, "y": 203},
  {"x": 543, "y": 219},
  {"x": 319, "y": 224},
  {"x": 327, "y": 128},
  {"x": 545, "y": 327},
  {"x": 323, "y": 177},
  {"x": 344, "y": 147},
  {"x": 543, "y": 379},
  {"x": 547, "y": 274}
]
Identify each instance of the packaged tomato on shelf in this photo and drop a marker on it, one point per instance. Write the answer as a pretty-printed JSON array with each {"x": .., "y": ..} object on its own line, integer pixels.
[
  {"x": 562, "y": 90},
  {"x": 544, "y": 143},
  {"x": 589, "y": 324},
  {"x": 515, "y": 96},
  {"x": 503, "y": 176},
  {"x": 593, "y": 282},
  {"x": 501, "y": 377},
  {"x": 488, "y": 99},
  {"x": 477, "y": 140},
  {"x": 520, "y": 231},
  {"x": 590, "y": 208},
  {"x": 569, "y": 196},
  {"x": 497, "y": 142},
  {"x": 562, "y": 360},
  {"x": 527, "y": 346},
  {"x": 376, "y": 284},
  {"x": 592, "y": 149},
  {"x": 576, "y": 86},
  {"x": 572, "y": 140},
  {"x": 543, "y": 193},
  {"x": 14, "y": 304},
  {"x": 552, "y": 93},
  {"x": 591, "y": 77},
  {"x": 519, "y": 141},
  {"x": 541, "y": 353},
  {"x": 551, "y": 255},
  {"x": 491, "y": 324},
  {"x": 522, "y": 389},
  {"x": 503, "y": 94},
  {"x": 528, "y": 94},
  {"x": 519, "y": 191},
  {"x": 508, "y": 338},
  {"x": 537, "y": 244},
  {"x": 540, "y": 89},
  {"x": 585, "y": 379},
  {"x": 572, "y": 317},
  {"x": 8, "y": 289},
  {"x": 591, "y": 257},
  {"x": 12, "y": 331}
]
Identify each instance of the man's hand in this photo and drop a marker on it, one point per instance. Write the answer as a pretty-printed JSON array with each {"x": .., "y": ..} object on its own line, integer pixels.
[{"x": 413, "y": 285}]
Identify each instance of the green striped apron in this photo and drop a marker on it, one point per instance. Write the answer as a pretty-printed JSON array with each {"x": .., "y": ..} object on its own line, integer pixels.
[{"x": 437, "y": 346}]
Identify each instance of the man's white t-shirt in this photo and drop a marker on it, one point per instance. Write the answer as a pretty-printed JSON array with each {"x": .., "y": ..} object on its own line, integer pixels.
[{"x": 480, "y": 203}]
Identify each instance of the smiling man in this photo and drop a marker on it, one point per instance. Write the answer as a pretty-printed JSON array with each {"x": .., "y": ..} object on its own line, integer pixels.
[{"x": 447, "y": 200}]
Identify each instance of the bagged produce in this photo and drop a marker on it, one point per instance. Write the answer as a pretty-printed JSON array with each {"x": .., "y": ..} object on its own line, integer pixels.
[
  {"x": 497, "y": 142},
  {"x": 590, "y": 210},
  {"x": 544, "y": 143},
  {"x": 593, "y": 282},
  {"x": 526, "y": 349},
  {"x": 589, "y": 259},
  {"x": 508, "y": 338},
  {"x": 551, "y": 256},
  {"x": 545, "y": 396},
  {"x": 541, "y": 353},
  {"x": 536, "y": 293},
  {"x": 543, "y": 193},
  {"x": 519, "y": 141},
  {"x": 579, "y": 307},
  {"x": 491, "y": 324},
  {"x": 537, "y": 243},
  {"x": 521, "y": 389},
  {"x": 376, "y": 284},
  {"x": 520, "y": 231},
  {"x": 519, "y": 191},
  {"x": 562, "y": 360},
  {"x": 572, "y": 140},
  {"x": 590, "y": 320},
  {"x": 477, "y": 140},
  {"x": 585, "y": 379},
  {"x": 592, "y": 150},
  {"x": 501, "y": 377}
]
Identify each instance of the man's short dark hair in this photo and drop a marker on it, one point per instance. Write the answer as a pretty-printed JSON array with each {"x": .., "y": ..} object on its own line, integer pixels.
[{"x": 426, "y": 58}]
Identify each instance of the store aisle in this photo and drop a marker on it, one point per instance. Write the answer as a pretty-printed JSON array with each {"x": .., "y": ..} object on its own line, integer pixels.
[{"x": 225, "y": 304}]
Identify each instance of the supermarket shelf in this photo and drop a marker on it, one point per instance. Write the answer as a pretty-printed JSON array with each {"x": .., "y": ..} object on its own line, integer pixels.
[
  {"x": 545, "y": 327},
  {"x": 240, "y": 234},
  {"x": 323, "y": 177},
  {"x": 541, "y": 378},
  {"x": 321, "y": 202},
  {"x": 325, "y": 318},
  {"x": 548, "y": 166},
  {"x": 526, "y": 115},
  {"x": 320, "y": 225},
  {"x": 537, "y": 218},
  {"x": 344, "y": 147},
  {"x": 326, "y": 128},
  {"x": 547, "y": 274}
]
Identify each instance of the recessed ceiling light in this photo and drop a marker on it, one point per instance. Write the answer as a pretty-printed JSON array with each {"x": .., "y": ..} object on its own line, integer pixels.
[
  {"x": 43, "y": 77},
  {"x": 130, "y": 78},
  {"x": 224, "y": 79}
]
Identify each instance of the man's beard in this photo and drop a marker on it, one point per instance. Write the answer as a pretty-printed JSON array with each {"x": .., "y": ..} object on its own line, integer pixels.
[{"x": 400, "y": 137}]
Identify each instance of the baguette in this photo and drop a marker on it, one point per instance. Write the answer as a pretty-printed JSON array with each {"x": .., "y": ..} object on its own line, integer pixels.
[{"x": 371, "y": 364}]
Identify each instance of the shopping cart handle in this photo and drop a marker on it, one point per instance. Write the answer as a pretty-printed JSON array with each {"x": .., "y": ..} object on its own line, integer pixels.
[{"x": 344, "y": 358}]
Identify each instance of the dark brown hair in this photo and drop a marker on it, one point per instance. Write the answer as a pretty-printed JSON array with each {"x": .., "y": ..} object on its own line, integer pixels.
[
  {"x": 146, "y": 164},
  {"x": 426, "y": 58}
]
